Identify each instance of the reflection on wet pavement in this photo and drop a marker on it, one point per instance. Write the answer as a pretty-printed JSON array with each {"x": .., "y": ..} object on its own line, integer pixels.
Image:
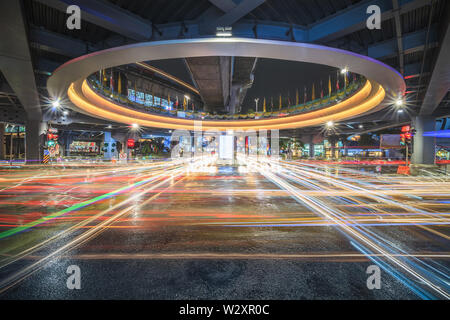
[{"x": 247, "y": 231}]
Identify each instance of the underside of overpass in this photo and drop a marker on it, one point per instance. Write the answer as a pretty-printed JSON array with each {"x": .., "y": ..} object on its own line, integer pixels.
[
  {"x": 222, "y": 81},
  {"x": 212, "y": 76}
]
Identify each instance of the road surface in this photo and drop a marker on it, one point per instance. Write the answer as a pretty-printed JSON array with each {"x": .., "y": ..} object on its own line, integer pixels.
[{"x": 253, "y": 230}]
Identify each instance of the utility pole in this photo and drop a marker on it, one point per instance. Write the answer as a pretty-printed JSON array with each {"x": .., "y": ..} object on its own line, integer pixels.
[{"x": 407, "y": 154}]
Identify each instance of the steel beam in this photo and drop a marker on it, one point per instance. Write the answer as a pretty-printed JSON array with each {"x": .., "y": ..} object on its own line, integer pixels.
[
  {"x": 342, "y": 23},
  {"x": 411, "y": 42},
  {"x": 238, "y": 12},
  {"x": 60, "y": 44},
  {"x": 354, "y": 18},
  {"x": 412, "y": 70},
  {"x": 224, "y": 5},
  {"x": 107, "y": 16},
  {"x": 232, "y": 15},
  {"x": 398, "y": 32},
  {"x": 243, "y": 28}
]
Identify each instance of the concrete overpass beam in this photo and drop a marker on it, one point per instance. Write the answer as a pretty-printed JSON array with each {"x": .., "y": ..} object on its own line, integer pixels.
[{"x": 424, "y": 147}]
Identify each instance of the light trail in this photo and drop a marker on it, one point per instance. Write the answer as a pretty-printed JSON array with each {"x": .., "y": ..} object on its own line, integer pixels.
[
  {"x": 75, "y": 207},
  {"x": 354, "y": 232},
  {"x": 232, "y": 214},
  {"x": 86, "y": 221},
  {"x": 238, "y": 256},
  {"x": 22, "y": 274}
]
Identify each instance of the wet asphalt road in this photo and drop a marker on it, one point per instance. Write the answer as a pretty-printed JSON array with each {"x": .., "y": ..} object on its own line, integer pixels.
[{"x": 221, "y": 233}]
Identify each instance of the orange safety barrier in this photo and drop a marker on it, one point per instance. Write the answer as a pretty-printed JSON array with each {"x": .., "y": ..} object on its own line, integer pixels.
[{"x": 403, "y": 170}]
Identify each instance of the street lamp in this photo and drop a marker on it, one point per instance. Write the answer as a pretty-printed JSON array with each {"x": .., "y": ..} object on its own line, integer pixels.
[
  {"x": 256, "y": 103},
  {"x": 187, "y": 99},
  {"x": 56, "y": 104},
  {"x": 330, "y": 124}
]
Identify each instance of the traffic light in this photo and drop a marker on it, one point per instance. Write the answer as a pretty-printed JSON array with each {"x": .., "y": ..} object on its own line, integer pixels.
[
  {"x": 406, "y": 128},
  {"x": 130, "y": 143},
  {"x": 406, "y": 135},
  {"x": 402, "y": 139},
  {"x": 52, "y": 139},
  {"x": 52, "y": 136}
]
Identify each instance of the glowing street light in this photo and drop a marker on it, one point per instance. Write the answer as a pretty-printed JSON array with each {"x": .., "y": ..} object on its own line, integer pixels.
[
  {"x": 135, "y": 126},
  {"x": 330, "y": 124},
  {"x": 399, "y": 102},
  {"x": 345, "y": 70},
  {"x": 56, "y": 104}
]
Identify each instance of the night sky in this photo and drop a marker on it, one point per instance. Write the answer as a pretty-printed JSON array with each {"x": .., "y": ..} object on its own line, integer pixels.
[
  {"x": 272, "y": 78},
  {"x": 175, "y": 67},
  {"x": 275, "y": 77}
]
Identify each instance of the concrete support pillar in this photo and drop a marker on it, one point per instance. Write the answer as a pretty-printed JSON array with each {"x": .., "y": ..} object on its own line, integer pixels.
[
  {"x": 424, "y": 147},
  {"x": 108, "y": 155},
  {"x": 67, "y": 142},
  {"x": 311, "y": 149},
  {"x": 34, "y": 140},
  {"x": 2, "y": 141},
  {"x": 311, "y": 146}
]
